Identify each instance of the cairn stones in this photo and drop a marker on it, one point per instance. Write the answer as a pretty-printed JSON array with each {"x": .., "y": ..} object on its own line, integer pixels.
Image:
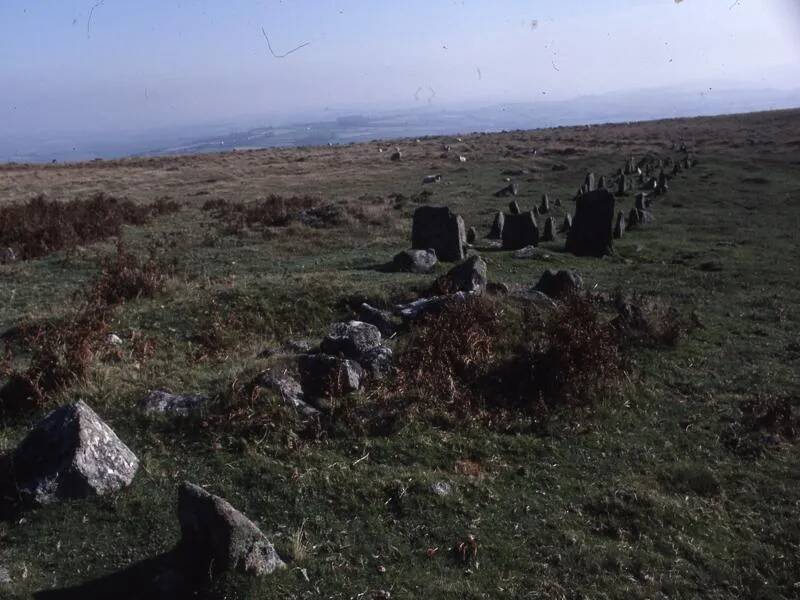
[
  {"x": 72, "y": 454},
  {"x": 218, "y": 536},
  {"x": 549, "y": 234},
  {"x": 496, "y": 232},
  {"x": 437, "y": 228},
  {"x": 590, "y": 234},
  {"x": 520, "y": 231},
  {"x": 415, "y": 261}
]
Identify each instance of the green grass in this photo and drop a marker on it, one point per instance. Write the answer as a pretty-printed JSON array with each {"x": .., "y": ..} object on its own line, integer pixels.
[{"x": 640, "y": 499}]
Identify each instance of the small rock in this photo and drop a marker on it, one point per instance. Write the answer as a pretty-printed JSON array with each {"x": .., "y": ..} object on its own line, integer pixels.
[
  {"x": 441, "y": 488},
  {"x": 221, "y": 538},
  {"x": 415, "y": 261},
  {"x": 469, "y": 276},
  {"x": 159, "y": 401},
  {"x": 558, "y": 284},
  {"x": 379, "y": 318},
  {"x": 290, "y": 390},
  {"x": 326, "y": 375},
  {"x": 377, "y": 362},
  {"x": 113, "y": 339}
]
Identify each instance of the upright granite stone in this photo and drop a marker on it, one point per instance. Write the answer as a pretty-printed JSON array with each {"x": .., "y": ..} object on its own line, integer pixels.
[
  {"x": 622, "y": 185},
  {"x": 566, "y": 224},
  {"x": 520, "y": 231},
  {"x": 470, "y": 276},
  {"x": 219, "y": 538},
  {"x": 590, "y": 234},
  {"x": 549, "y": 234},
  {"x": 589, "y": 184},
  {"x": 619, "y": 227},
  {"x": 513, "y": 208},
  {"x": 72, "y": 454},
  {"x": 438, "y": 228},
  {"x": 496, "y": 232},
  {"x": 544, "y": 207}
]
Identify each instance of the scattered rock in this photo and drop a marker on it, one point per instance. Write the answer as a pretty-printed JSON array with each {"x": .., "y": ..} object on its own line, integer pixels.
[
  {"x": 438, "y": 228},
  {"x": 165, "y": 403},
  {"x": 415, "y": 261},
  {"x": 221, "y": 538},
  {"x": 590, "y": 234},
  {"x": 469, "y": 276},
  {"x": 351, "y": 340},
  {"x": 112, "y": 339},
  {"x": 377, "y": 362},
  {"x": 396, "y": 156},
  {"x": 510, "y": 190},
  {"x": 558, "y": 284},
  {"x": 72, "y": 454},
  {"x": 326, "y": 375},
  {"x": 520, "y": 231},
  {"x": 497, "y": 288},
  {"x": 379, "y": 318},
  {"x": 427, "y": 306},
  {"x": 290, "y": 391}
]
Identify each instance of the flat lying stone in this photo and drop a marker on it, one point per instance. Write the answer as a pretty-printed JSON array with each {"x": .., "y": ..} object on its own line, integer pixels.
[{"x": 166, "y": 403}]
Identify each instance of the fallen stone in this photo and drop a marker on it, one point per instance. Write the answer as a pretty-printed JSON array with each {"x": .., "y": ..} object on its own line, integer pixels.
[
  {"x": 72, "y": 454},
  {"x": 530, "y": 252},
  {"x": 427, "y": 306},
  {"x": 112, "y": 339},
  {"x": 591, "y": 233},
  {"x": 221, "y": 538},
  {"x": 520, "y": 231},
  {"x": 166, "y": 403},
  {"x": 558, "y": 284},
  {"x": 326, "y": 375},
  {"x": 415, "y": 261},
  {"x": 351, "y": 339},
  {"x": 438, "y": 228},
  {"x": 510, "y": 190}
]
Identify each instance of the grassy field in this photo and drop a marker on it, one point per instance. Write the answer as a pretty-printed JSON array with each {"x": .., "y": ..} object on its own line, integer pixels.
[{"x": 659, "y": 491}]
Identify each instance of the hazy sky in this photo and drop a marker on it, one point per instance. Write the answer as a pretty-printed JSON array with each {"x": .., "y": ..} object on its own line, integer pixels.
[{"x": 150, "y": 63}]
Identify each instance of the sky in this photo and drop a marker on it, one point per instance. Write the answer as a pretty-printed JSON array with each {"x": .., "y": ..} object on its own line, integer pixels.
[{"x": 122, "y": 65}]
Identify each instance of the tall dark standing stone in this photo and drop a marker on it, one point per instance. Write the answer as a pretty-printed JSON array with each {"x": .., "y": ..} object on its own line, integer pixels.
[
  {"x": 566, "y": 225},
  {"x": 662, "y": 187},
  {"x": 619, "y": 228},
  {"x": 641, "y": 201},
  {"x": 622, "y": 185},
  {"x": 591, "y": 228},
  {"x": 472, "y": 235},
  {"x": 496, "y": 232},
  {"x": 438, "y": 228},
  {"x": 520, "y": 231},
  {"x": 549, "y": 234},
  {"x": 589, "y": 183},
  {"x": 513, "y": 207},
  {"x": 545, "y": 205}
]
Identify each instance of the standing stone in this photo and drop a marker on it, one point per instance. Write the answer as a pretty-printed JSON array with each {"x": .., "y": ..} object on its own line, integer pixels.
[
  {"x": 630, "y": 166},
  {"x": 438, "y": 228},
  {"x": 663, "y": 185},
  {"x": 472, "y": 235},
  {"x": 509, "y": 190},
  {"x": 566, "y": 225},
  {"x": 549, "y": 234},
  {"x": 396, "y": 156},
  {"x": 496, "y": 231},
  {"x": 590, "y": 234},
  {"x": 633, "y": 220},
  {"x": 622, "y": 185},
  {"x": 513, "y": 208},
  {"x": 589, "y": 183},
  {"x": 544, "y": 207},
  {"x": 601, "y": 184},
  {"x": 220, "y": 538},
  {"x": 520, "y": 231},
  {"x": 619, "y": 228},
  {"x": 72, "y": 454},
  {"x": 557, "y": 202},
  {"x": 641, "y": 201}
]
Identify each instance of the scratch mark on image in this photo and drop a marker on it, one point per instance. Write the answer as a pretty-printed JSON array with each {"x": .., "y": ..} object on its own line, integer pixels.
[
  {"x": 303, "y": 45},
  {"x": 480, "y": 75},
  {"x": 91, "y": 14}
]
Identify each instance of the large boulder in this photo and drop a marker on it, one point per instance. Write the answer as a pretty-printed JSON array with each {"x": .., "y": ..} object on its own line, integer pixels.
[
  {"x": 351, "y": 339},
  {"x": 325, "y": 375},
  {"x": 438, "y": 228},
  {"x": 558, "y": 284},
  {"x": 415, "y": 261},
  {"x": 166, "y": 403},
  {"x": 72, "y": 454},
  {"x": 220, "y": 538},
  {"x": 469, "y": 276},
  {"x": 520, "y": 231},
  {"x": 590, "y": 234}
]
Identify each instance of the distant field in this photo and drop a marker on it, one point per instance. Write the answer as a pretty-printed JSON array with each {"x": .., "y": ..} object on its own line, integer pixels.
[{"x": 648, "y": 494}]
